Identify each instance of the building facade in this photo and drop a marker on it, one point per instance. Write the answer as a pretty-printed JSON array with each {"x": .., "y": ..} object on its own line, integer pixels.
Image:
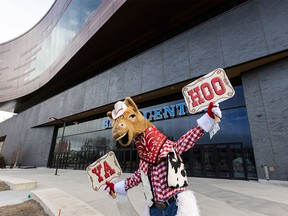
[{"x": 75, "y": 64}]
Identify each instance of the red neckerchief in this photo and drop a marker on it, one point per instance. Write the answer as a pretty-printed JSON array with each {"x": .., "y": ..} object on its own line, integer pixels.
[{"x": 149, "y": 143}]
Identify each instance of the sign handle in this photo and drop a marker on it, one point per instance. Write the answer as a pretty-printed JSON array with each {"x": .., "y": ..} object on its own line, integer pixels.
[
  {"x": 217, "y": 119},
  {"x": 113, "y": 195}
]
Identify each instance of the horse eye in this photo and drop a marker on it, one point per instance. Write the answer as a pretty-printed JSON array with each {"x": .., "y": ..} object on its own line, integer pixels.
[{"x": 132, "y": 116}]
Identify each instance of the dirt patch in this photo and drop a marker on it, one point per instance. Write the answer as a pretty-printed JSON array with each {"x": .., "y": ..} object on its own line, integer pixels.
[
  {"x": 4, "y": 186},
  {"x": 27, "y": 208}
]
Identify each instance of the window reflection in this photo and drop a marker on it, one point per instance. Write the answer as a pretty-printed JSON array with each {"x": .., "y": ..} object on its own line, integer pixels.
[
  {"x": 67, "y": 27},
  {"x": 228, "y": 155}
]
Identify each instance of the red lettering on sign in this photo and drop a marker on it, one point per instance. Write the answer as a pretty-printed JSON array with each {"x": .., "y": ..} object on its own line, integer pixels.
[
  {"x": 97, "y": 171},
  {"x": 108, "y": 170},
  {"x": 194, "y": 94},
  {"x": 207, "y": 91},
  {"x": 214, "y": 86},
  {"x": 221, "y": 90}
]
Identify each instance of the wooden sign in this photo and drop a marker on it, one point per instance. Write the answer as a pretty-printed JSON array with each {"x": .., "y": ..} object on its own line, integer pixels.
[
  {"x": 213, "y": 87},
  {"x": 104, "y": 169}
]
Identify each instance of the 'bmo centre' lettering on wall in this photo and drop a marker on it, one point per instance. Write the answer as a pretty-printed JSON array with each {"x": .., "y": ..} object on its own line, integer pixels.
[{"x": 166, "y": 112}]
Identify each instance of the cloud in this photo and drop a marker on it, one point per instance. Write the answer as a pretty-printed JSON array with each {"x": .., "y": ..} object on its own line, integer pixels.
[{"x": 18, "y": 16}]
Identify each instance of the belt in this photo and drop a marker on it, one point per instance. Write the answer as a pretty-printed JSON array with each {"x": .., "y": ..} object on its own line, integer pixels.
[{"x": 164, "y": 204}]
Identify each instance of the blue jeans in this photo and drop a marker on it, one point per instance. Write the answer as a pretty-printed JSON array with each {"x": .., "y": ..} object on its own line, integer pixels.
[{"x": 170, "y": 210}]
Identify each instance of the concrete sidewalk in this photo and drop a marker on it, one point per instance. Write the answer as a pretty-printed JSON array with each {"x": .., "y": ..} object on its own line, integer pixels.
[{"x": 215, "y": 196}]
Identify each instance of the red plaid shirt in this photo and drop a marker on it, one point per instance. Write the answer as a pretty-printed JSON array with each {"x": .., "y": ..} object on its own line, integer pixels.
[{"x": 158, "y": 173}]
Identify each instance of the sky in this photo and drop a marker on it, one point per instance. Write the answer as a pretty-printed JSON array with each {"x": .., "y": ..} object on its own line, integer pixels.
[{"x": 16, "y": 18}]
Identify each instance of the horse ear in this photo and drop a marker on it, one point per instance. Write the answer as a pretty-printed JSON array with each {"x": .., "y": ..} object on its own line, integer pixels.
[
  {"x": 129, "y": 102},
  {"x": 109, "y": 114}
]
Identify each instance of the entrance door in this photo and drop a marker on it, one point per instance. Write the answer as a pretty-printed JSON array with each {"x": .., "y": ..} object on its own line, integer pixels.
[
  {"x": 197, "y": 164},
  {"x": 218, "y": 161},
  {"x": 210, "y": 160},
  {"x": 223, "y": 161},
  {"x": 238, "y": 164}
]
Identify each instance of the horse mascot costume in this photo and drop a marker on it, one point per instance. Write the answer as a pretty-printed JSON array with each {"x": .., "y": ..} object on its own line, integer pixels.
[{"x": 161, "y": 169}]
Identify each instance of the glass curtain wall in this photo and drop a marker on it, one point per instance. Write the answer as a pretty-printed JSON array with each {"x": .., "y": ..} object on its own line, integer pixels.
[
  {"x": 82, "y": 144},
  {"x": 68, "y": 26},
  {"x": 228, "y": 155}
]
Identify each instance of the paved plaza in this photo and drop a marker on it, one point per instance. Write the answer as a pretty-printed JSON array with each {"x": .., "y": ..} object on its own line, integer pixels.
[{"x": 215, "y": 196}]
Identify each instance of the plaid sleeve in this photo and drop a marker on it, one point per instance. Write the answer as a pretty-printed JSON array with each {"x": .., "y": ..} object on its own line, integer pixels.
[
  {"x": 188, "y": 140},
  {"x": 133, "y": 180}
]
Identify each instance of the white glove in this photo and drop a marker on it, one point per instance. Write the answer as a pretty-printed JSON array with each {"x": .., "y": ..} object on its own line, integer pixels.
[
  {"x": 119, "y": 188},
  {"x": 207, "y": 121},
  {"x": 216, "y": 110}
]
